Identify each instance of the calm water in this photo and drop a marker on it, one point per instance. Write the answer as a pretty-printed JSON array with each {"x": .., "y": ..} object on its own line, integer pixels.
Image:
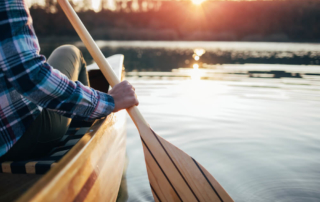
[
  {"x": 254, "y": 127},
  {"x": 258, "y": 137}
]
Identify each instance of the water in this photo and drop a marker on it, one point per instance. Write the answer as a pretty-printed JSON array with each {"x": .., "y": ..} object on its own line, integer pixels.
[
  {"x": 254, "y": 127},
  {"x": 257, "y": 137}
]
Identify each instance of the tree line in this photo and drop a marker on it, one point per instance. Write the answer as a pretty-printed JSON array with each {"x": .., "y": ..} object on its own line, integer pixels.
[{"x": 182, "y": 20}]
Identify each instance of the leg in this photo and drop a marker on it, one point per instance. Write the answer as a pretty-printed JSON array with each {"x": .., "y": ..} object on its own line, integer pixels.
[
  {"x": 48, "y": 128},
  {"x": 68, "y": 59}
]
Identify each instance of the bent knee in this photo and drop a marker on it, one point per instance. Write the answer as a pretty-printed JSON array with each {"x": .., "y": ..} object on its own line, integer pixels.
[
  {"x": 69, "y": 50},
  {"x": 68, "y": 60}
]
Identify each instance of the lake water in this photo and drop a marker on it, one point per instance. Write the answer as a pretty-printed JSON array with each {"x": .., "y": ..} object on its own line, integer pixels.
[
  {"x": 254, "y": 127},
  {"x": 259, "y": 138}
]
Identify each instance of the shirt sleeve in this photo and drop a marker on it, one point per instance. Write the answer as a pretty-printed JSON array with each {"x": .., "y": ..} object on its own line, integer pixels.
[{"x": 28, "y": 72}]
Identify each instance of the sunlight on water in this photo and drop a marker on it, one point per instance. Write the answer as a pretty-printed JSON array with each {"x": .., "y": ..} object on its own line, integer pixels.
[
  {"x": 257, "y": 136},
  {"x": 195, "y": 74},
  {"x": 199, "y": 51}
]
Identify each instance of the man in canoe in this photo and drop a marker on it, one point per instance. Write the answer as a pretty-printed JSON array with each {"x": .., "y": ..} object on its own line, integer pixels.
[{"x": 39, "y": 97}]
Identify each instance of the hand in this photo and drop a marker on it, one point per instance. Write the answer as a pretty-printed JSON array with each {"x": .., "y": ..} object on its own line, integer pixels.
[{"x": 124, "y": 96}]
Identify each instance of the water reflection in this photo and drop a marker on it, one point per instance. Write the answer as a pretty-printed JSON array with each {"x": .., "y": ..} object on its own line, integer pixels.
[
  {"x": 196, "y": 57},
  {"x": 233, "y": 72},
  {"x": 198, "y": 52},
  {"x": 195, "y": 74}
]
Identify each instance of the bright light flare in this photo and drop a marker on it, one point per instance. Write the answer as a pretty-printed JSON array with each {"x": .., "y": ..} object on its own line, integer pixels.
[
  {"x": 96, "y": 4},
  {"x": 195, "y": 73},
  {"x": 199, "y": 51},
  {"x": 197, "y": 2},
  {"x": 195, "y": 66},
  {"x": 196, "y": 57}
]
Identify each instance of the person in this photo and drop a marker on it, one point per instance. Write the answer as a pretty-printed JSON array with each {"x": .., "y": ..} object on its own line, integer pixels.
[{"x": 39, "y": 97}]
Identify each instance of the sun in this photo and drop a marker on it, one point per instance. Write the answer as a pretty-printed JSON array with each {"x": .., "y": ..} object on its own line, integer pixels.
[
  {"x": 197, "y": 2},
  {"x": 96, "y": 4}
]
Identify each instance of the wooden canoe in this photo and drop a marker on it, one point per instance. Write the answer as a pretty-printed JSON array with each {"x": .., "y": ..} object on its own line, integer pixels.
[{"x": 91, "y": 170}]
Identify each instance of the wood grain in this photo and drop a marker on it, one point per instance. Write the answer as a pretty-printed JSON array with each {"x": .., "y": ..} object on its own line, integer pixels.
[{"x": 177, "y": 176}]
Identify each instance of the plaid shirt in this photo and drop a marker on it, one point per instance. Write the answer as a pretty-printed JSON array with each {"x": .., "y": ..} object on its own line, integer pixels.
[{"x": 28, "y": 83}]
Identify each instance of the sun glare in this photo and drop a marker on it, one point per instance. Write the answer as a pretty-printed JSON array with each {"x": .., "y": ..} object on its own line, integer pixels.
[
  {"x": 195, "y": 74},
  {"x": 96, "y": 4},
  {"x": 199, "y": 51},
  {"x": 195, "y": 66},
  {"x": 197, "y": 2}
]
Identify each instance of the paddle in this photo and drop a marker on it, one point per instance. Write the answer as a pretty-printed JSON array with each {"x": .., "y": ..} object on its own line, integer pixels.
[{"x": 173, "y": 175}]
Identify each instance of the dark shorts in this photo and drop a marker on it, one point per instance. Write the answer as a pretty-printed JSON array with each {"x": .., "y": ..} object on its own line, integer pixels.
[{"x": 49, "y": 127}]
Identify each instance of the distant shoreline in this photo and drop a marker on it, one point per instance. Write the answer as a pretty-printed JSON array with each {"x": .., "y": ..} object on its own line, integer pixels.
[
  {"x": 59, "y": 39},
  {"x": 207, "y": 45},
  {"x": 168, "y": 55}
]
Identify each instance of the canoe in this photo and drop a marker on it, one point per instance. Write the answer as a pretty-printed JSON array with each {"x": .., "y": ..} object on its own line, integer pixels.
[{"x": 91, "y": 170}]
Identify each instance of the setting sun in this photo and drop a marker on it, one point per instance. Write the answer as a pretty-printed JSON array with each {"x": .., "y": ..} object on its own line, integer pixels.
[
  {"x": 96, "y": 4},
  {"x": 197, "y": 2}
]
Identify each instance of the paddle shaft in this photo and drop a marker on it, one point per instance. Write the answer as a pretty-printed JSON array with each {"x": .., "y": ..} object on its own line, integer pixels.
[{"x": 99, "y": 58}]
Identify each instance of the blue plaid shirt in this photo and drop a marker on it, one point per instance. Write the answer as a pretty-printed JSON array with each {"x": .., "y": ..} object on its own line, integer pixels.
[{"x": 28, "y": 83}]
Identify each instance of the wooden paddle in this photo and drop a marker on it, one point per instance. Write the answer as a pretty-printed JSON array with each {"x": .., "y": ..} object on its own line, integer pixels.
[{"x": 173, "y": 175}]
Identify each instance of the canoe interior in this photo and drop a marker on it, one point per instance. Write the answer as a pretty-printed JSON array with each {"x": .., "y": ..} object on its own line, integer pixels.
[{"x": 90, "y": 171}]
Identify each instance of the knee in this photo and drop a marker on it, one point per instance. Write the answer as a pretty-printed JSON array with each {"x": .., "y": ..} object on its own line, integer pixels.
[
  {"x": 68, "y": 60},
  {"x": 69, "y": 50}
]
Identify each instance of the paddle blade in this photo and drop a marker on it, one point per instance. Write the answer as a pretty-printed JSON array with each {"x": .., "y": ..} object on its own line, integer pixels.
[{"x": 175, "y": 176}]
